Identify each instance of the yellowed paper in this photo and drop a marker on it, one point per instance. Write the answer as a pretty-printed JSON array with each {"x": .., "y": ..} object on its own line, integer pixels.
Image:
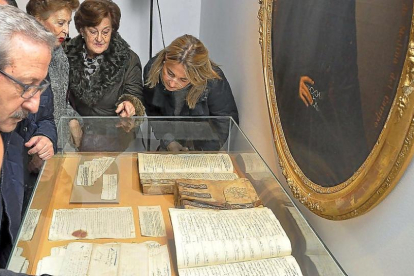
[
  {"x": 134, "y": 259},
  {"x": 17, "y": 262},
  {"x": 184, "y": 175},
  {"x": 104, "y": 260},
  {"x": 283, "y": 266},
  {"x": 109, "y": 187},
  {"x": 90, "y": 171},
  {"x": 92, "y": 223},
  {"x": 29, "y": 225},
  {"x": 180, "y": 163},
  {"x": 109, "y": 259},
  {"x": 151, "y": 221},
  {"x": 159, "y": 260},
  {"x": 206, "y": 237},
  {"x": 76, "y": 260},
  {"x": 212, "y": 194}
]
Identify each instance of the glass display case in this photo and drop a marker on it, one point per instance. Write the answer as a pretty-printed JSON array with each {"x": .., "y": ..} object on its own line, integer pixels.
[{"x": 97, "y": 196}]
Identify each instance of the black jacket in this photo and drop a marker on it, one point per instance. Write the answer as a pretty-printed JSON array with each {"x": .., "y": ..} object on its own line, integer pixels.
[
  {"x": 216, "y": 100},
  {"x": 119, "y": 78},
  {"x": 12, "y": 180}
]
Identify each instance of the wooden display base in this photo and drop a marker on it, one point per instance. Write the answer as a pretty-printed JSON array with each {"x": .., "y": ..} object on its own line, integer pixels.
[{"x": 54, "y": 191}]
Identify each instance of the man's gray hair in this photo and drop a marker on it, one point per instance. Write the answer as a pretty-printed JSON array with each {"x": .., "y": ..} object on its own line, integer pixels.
[{"x": 14, "y": 21}]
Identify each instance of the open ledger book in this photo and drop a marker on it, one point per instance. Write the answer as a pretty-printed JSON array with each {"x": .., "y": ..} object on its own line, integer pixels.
[{"x": 231, "y": 242}]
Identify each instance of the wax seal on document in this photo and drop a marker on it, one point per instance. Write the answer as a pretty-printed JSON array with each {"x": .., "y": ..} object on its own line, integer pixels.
[{"x": 80, "y": 234}]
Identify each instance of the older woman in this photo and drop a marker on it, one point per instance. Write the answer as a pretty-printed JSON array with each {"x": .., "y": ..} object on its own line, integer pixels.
[
  {"x": 105, "y": 74},
  {"x": 56, "y": 16},
  {"x": 181, "y": 80},
  {"x": 39, "y": 130}
]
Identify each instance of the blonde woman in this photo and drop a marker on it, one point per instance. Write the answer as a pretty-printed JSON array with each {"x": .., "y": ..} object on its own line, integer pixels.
[{"x": 181, "y": 80}]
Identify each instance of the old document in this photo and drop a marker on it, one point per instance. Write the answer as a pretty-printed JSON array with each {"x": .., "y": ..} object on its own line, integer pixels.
[
  {"x": 110, "y": 259},
  {"x": 159, "y": 260},
  {"x": 184, "y": 175},
  {"x": 92, "y": 223},
  {"x": 109, "y": 187},
  {"x": 151, "y": 221},
  {"x": 212, "y": 194},
  {"x": 51, "y": 264},
  {"x": 178, "y": 163},
  {"x": 158, "y": 172},
  {"x": 104, "y": 260},
  {"x": 284, "y": 266},
  {"x": 29, "y": 225},
  {"x": 17, "y": 262},
  {"x": 76, "y": 260},
  {"x": 206, "y": 237},
  {"x": 134, "y": 260},
  {"x": 90, "y": 171}
]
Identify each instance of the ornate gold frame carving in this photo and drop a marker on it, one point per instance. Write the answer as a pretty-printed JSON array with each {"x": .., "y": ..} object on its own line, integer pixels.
[{"x": 381, "y": 170}]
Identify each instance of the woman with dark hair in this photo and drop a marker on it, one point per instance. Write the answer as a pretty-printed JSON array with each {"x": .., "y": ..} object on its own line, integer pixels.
[
  {"x": 105, "y": 75},
  {"x": 181, "y": 80}
]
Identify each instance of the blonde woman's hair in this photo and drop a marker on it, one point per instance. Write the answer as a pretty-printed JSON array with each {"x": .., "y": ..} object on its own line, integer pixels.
[{"x": 193, "y": 55}]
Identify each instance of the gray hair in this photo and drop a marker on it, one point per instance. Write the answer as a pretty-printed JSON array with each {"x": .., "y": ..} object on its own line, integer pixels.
[{"x": 14, "y": 21}]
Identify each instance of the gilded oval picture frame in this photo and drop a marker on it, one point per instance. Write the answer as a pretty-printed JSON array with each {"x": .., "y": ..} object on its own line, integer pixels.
[{"x": 339, "y": 77}]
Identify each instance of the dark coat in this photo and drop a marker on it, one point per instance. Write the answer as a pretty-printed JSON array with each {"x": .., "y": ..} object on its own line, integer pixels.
[
  {"x": 41, "y": 123},
  {"x": 118, "y": 78},
  {"x": 12, "y": 173},
  {"x": 216, "y": 100},
  {"x": 11, "y": 193}
]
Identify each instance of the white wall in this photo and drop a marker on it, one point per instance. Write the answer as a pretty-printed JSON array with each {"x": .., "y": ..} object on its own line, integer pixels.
[
  {"x": 229, "y": 29},
  {"x": 378, "y": 243},
  {"x": 178, "y": 17}
]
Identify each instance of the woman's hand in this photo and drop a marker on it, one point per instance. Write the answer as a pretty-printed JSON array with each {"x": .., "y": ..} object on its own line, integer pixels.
[
  {"x": 127, "y": 124},
  {"x": 75, "y": 132},
  {"x": 175, "y": 146},
  {"x": 304, "y": 93},
  {"x": 125, "y": 109},
  {"x": 35, "y": 164}
]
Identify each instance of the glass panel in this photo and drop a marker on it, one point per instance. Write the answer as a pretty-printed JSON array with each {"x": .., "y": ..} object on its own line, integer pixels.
[{"x": 119, "y": 140}]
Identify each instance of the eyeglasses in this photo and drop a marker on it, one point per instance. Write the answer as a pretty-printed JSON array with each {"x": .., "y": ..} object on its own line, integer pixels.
[
  {"x": 95, "y": 33},
  {"x": 29, "y": 90}
]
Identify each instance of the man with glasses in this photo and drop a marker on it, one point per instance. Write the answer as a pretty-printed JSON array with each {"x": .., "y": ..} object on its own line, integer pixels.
[{"x": 25, "y": 54}]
